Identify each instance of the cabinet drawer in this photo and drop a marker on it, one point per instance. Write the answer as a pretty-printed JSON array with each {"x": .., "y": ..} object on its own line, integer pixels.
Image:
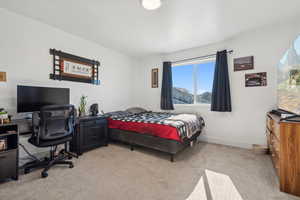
[
  {"x": 275, "y": 161},
  {"x": 90, "y": 135},
  {"x": 8, "y": 164},
  {"x": 275, "y": 145},
  {"x": 93, "y": 135},
  {"x": 268, "y": 135},
  {"x": 276, "y": 130},
  {"x": 274, "y": 151},
  {"x": 101, "y": 121},
  {"x": 87, "y": 123}
]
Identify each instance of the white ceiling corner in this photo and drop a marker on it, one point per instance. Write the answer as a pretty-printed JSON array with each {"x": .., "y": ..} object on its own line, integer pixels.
[{"x": 125, "y": 26}]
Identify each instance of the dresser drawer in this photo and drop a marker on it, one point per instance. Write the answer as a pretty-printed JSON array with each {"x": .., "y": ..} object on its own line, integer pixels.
[
  {"x": 275, "y": 161},
  {"x": 275, "y": 152},
  {"x": 275, "y": 145},
  {"x": 276, "y": 130},
  {"x": 268, "y": 135},
  {"x": 269, "y": 122}
]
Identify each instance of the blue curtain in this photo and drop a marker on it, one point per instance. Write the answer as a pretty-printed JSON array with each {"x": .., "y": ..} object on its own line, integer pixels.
[
  {"x": 166, "y": 101},
  {"x": 221, "y": 99}
]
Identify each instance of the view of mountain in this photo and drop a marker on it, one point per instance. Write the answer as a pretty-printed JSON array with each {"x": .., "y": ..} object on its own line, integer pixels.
[{"x": 183, "y": 96}]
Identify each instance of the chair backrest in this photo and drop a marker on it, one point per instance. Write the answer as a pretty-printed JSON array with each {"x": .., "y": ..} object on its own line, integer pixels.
[{"x": 56, "y": 121}]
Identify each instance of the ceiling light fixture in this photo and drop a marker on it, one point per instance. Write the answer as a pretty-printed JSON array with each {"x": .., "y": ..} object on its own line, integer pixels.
[{"x": 151, "y": 4}]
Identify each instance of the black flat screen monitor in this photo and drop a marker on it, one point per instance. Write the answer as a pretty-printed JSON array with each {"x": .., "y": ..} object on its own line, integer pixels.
[{"x": 30, "y": 99}]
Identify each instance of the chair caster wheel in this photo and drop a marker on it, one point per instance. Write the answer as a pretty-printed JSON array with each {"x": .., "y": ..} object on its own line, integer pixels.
[
  {"x": 44, "y": 174},
  {"x": 71, "y": 166}
]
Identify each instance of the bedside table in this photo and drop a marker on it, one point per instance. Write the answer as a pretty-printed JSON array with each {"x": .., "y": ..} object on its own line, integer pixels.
[{"x": 90, "y": 132}]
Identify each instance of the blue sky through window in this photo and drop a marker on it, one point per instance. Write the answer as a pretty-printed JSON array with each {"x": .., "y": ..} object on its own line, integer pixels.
[
  {"x": 205, "y": 77},
  {"x": 183, "y": 76}
]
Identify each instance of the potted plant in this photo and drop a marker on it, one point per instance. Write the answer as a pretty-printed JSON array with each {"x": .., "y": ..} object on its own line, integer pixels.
[
  {"x": 3, "y": 115},
  {"x": 82, "y": 106}
]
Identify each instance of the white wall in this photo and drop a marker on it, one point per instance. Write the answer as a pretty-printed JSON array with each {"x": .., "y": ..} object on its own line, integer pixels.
[
  {"x": 245, "y": 125},
  {"x": 24, "y": 55}
]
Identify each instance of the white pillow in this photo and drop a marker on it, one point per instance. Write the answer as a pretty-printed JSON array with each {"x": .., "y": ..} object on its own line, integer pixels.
[{"x": 136, "y": 110}]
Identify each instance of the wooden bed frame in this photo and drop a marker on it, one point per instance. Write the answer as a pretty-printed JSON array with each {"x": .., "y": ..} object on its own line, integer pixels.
[{"x": 171, "y": 147}]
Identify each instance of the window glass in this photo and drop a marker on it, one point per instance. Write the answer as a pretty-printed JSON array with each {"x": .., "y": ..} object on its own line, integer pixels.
[
  {"x": 183, "y": 84},
  {"x": 192, "y": 83},
  {"x": 205, "y": 76}
]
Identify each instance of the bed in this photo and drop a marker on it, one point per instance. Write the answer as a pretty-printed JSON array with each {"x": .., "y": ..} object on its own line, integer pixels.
[{"x": 165, "y": 132}]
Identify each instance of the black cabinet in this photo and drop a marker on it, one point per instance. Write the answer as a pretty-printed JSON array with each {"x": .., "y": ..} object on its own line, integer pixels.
[
  {"x": 90, "y": 132},
  {"x": 9, "y": 152}
]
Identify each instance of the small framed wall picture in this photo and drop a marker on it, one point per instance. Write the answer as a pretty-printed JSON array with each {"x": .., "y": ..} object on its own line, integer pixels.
[
  {"x": 154, "y": 78},
  {"x": 243, "y": 63},
  {"x": 2, "y": 76},
  {"x": 256, "y": 79}
]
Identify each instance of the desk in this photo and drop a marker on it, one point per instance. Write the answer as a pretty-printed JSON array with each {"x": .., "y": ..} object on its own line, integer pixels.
[{"x": 90, "y": 132}]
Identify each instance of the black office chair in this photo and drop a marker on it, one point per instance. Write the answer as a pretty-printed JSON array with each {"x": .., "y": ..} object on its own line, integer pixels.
[{"x": 52, "y": 126}]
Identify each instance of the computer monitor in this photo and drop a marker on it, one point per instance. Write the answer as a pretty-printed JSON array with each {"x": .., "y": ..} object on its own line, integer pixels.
[{"x": 32, "y": 98}]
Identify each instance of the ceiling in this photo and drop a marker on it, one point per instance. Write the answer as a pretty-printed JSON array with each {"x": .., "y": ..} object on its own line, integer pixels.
[{"x": 179, "y": 24}]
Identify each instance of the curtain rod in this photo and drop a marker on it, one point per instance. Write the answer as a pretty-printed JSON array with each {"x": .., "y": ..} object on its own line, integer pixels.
[{"x": 199, "y": 57}]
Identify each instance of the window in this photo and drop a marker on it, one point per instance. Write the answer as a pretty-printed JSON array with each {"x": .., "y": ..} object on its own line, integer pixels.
[{"x": 192, "y": 83}]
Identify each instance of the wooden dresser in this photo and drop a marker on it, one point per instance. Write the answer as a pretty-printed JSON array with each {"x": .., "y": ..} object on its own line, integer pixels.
[{"x": 284, "y": 144}]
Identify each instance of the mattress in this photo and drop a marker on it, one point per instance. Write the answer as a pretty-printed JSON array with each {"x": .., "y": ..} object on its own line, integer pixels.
[
  {"x": 160, "y": 124},
  {"x": 159, "y": 130}
]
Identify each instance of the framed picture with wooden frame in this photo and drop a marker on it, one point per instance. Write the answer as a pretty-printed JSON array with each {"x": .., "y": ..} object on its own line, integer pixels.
[
  {"x": 256, "y": 79},
  {"x": 243, "y": 63},
  {"x": 2, "y": 76},
  {"x": 154, "y": 78},
  {"x": 75, "y": 69},
  {"x": 69, "y": 67}
]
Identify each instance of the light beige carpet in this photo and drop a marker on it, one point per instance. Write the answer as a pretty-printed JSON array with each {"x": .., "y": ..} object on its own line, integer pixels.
[{"x": 115, "y": 172}]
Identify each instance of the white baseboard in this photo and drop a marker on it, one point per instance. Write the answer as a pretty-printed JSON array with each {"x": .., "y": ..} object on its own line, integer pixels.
[{"x": 223, "y": 141}]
